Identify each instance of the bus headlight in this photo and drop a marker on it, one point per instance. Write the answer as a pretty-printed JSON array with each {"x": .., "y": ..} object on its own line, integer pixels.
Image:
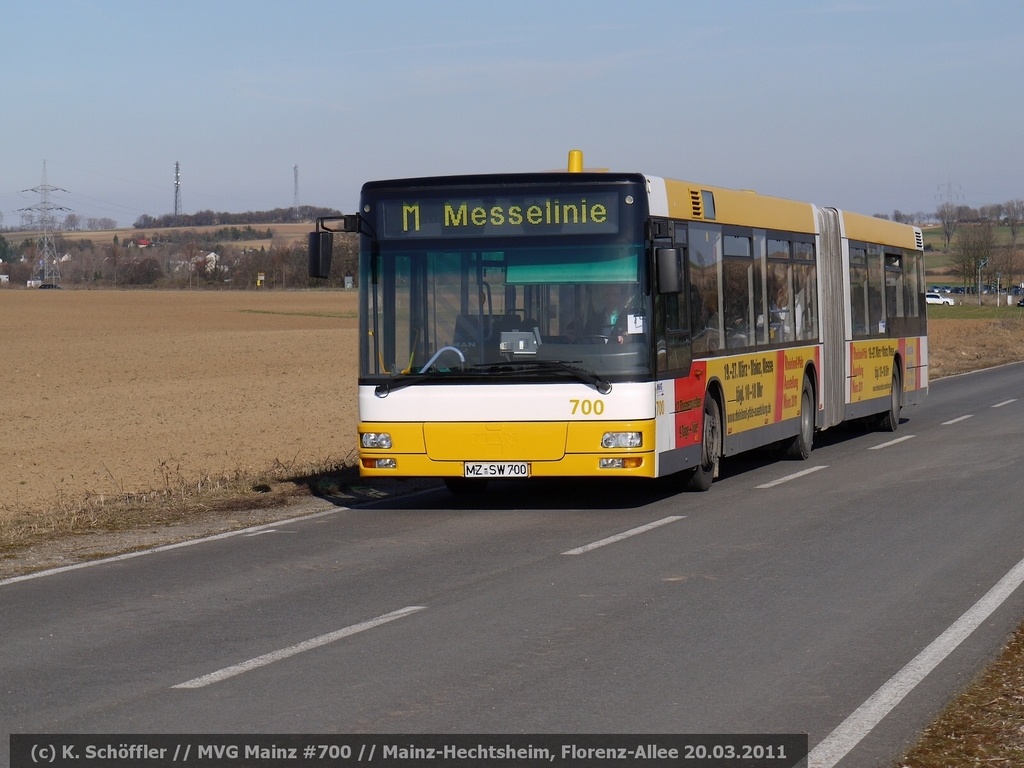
[
  {"x": 624, "y": 462},
  {"x": 375, "y": 439},
  {"x": 380, "y": 463},
  {"x": 622, "y": 440}
]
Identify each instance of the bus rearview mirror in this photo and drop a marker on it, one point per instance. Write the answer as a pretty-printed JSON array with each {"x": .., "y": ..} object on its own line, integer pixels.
[
  {"x": 321, "y": 248},
  {"x": 670, "y": 272}
]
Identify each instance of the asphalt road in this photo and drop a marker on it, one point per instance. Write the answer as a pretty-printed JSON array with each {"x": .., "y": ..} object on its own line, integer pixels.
[{"x": 822, "y": 604}]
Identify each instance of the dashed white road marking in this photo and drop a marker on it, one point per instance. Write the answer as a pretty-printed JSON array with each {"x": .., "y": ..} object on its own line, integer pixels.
[
  {"x": 793, "y": 476},
  {"x": 307, "y": 645},
  {"x": 958, "y": 419},
  {"x": 892, "y": 442},
  {"x": 623, "y": 535}
]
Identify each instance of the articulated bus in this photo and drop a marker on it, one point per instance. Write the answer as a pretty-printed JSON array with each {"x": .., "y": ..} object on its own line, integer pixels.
[{"x": 599, "y": 324}]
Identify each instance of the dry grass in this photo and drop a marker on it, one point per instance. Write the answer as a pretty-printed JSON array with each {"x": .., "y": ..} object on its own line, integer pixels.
[
  {"x": 984, "y": 726},
  {"x": 957, "y": 344},
  {"x": 180, "y": 500}
]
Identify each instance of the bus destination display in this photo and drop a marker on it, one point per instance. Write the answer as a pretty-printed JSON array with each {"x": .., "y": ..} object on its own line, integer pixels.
[{"x": 589, "y": 213}]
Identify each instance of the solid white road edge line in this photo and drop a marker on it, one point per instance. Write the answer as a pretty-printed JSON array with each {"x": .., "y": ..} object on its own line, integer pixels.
[
  {"x": 165, "y": 547},
  {"x": 307, "y": 645},
  {"x": 623, "y": 535},
  {"x": 794, "y": 476},
  {"x": 837, "y": 744}
]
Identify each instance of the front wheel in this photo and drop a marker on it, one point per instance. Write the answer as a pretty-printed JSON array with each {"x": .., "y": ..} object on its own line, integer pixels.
[{"x": 711, "y": 447}]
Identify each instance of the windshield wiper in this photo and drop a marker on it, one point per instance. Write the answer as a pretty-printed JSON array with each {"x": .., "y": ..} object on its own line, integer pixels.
[
  {"x": 603, "y": 386},
  {"x": 407, "y": 380}
]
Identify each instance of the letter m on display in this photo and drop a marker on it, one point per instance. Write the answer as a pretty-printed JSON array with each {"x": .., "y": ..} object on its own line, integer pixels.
[{"x": 412, "y": 211}]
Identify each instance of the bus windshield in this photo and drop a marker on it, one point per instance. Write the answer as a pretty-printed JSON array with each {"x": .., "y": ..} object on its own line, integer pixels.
[{"x": 471, "y": 308}]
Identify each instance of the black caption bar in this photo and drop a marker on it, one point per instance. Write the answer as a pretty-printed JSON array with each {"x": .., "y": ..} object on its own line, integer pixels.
[{"x": 787, "y": 750}]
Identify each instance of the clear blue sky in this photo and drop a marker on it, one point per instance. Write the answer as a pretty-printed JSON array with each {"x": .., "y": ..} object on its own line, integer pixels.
[{"x": 869, "y": 105}]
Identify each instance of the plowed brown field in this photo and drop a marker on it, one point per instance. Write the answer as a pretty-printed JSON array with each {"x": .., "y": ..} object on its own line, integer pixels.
[
  {"x": 105, "y": 392},
  {"x": 114, "y": 392}
]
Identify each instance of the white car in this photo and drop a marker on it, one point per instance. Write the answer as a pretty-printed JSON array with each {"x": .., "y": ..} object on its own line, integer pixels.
[{"x": 938, "y": 298}]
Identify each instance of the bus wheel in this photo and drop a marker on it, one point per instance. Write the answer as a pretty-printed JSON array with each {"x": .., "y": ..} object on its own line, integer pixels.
[
  {"x": 890, "y": 420},
  {"x": 800, "y": 446},
  {"x": 464, "y": 486},
  {"x": 711, "y": 448}
]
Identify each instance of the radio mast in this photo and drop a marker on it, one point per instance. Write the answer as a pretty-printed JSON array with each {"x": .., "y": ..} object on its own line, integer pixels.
[
  {"x": 295, "y": 201},
  {"x": 177, "y": 191}
]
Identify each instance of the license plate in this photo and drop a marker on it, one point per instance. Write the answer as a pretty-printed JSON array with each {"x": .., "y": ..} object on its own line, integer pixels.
[{"x": 496, "y": 469}]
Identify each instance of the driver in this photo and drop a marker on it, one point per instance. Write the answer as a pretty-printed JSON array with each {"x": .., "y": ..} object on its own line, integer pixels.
[{"x": 609, "y": 317}]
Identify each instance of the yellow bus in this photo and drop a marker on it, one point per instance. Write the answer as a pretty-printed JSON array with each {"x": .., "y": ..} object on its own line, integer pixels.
[{"x": 600, "y": 324}]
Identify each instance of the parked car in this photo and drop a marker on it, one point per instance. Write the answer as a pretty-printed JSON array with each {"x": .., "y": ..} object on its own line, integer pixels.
[{"x": 938, "y": 298}]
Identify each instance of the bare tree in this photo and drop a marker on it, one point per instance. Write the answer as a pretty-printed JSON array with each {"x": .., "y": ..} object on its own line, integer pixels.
[
  {"x": 1014, "y": 211},
  {"x": 947, "y": 214},
  {"x": 972, "y": 257},
  {"x": 193, "y": 260},
  {"x": 114, "y": 255},
  {"x": 1008, "y": 264},
  {"x": 992, "y": 212}
]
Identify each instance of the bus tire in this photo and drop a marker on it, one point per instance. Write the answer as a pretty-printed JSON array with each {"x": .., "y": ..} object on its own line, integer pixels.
[
  {"x": 800, "y": 446},
  {"x": 889, "y": 421},
  {"x": 711, "y": 446},
  {"x": 465, "y": 486}
]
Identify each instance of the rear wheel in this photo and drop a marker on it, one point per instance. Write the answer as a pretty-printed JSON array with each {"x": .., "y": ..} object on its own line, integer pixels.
[
  {"x": 711, "y": 447},
  {"x": 800, "y": 446},
  {"x": 890, "y": 420}
]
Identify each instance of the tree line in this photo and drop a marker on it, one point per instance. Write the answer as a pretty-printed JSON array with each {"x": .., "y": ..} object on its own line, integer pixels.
[
  {"x": 192, "y": 261},
  {"x": 212, "y": 218},
  {"x": 982, "y": 243},
  {"x": 979, "y": 254}
]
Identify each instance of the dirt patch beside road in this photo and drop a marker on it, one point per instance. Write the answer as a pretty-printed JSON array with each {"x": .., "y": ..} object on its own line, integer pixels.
[{"x": 957, "y": 346}]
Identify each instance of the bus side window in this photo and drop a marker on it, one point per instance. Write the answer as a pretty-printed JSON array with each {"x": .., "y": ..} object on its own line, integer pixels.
[
  {"x": 741, "y": 282},
  {"x": 780, "y": 303},
  {"x": 805, "y": 291},
  {"x": 703, "y": 263},
  {"x": 859, "y": 291}
]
